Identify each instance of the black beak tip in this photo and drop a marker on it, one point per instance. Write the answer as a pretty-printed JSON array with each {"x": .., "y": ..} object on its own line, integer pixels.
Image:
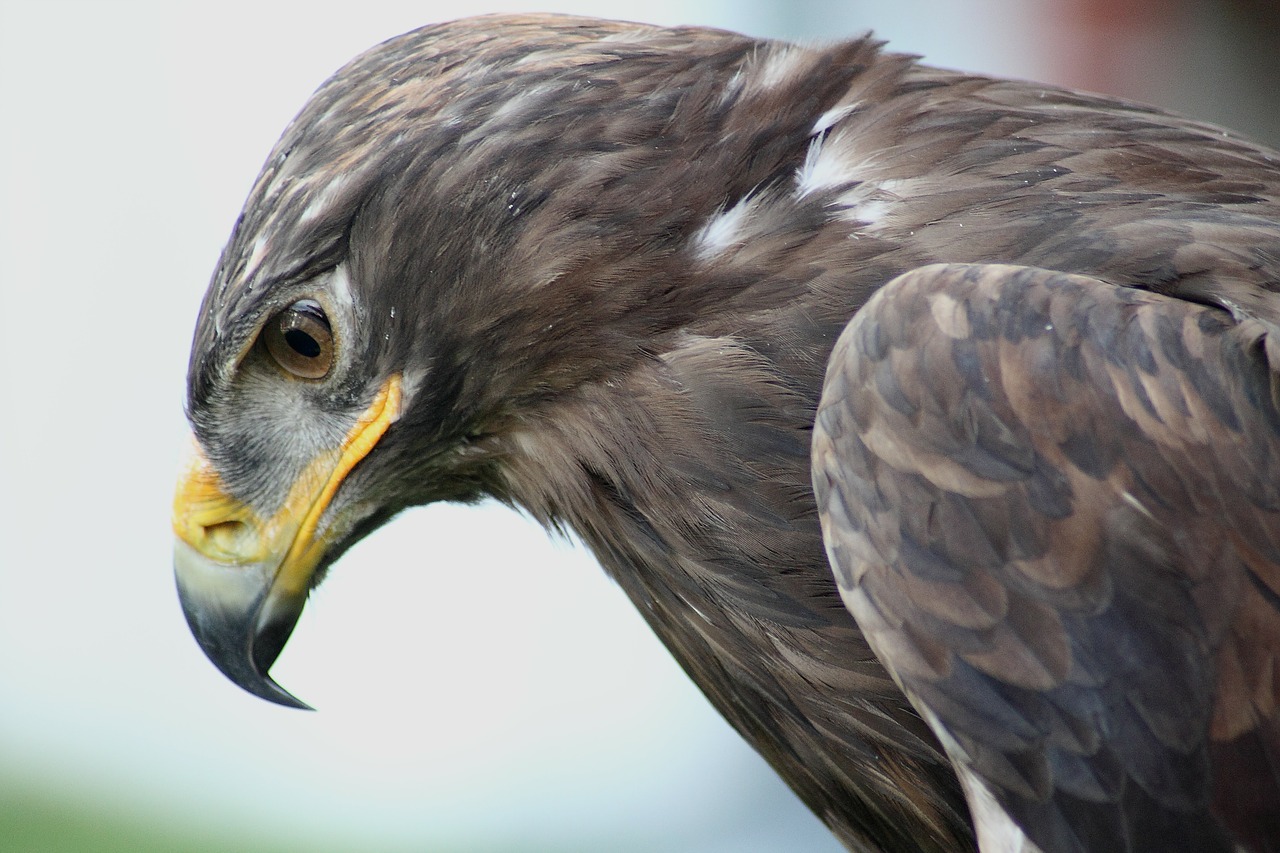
[
  {"x": 273, "y": 692},
  {"x": 243, "y": 645},
  {"x": 264, "y": 647}
]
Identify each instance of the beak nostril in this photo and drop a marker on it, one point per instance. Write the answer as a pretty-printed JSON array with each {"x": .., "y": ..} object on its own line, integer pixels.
[{"x": 229, "y": 537}]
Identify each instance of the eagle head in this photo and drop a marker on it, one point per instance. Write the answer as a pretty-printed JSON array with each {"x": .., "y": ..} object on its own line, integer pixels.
[{"x": 451, "y": 230}]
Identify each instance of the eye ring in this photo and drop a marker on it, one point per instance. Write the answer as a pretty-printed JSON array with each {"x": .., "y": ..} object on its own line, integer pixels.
[{"x": 300, "y": 340}]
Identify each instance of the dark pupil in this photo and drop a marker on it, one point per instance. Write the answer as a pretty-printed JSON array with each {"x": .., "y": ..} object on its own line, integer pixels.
[{"x": 302, "y": 343}]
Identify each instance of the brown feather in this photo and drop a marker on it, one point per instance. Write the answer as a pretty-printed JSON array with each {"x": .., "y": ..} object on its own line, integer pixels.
[
  {"x": 612, "y": 260},
  {"x": 1139, "y": 638}
]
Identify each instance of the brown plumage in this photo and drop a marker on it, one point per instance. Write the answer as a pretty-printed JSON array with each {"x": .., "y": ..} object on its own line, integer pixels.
[{"x": 596, "y": 270}]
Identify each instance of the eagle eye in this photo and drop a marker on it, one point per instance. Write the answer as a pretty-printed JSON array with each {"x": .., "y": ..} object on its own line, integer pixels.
[{"x": 300, "y": 340}]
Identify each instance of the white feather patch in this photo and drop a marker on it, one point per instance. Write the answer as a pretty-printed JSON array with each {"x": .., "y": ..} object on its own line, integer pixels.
[
  {"x": 828, "y": 164},
  {"x": 256, "y": 253},
  {"x": 872, "y": 202},
  {"x": 779, "y": 63},
  {"x": 324, "y": 198},
  {"x": 339, "y": 286},
  {"x": 831, "y": 118},
  {"x": 997, "y": 832},
  {"x": 732, "y": 89},
  {"x": 722, "y": 232}
]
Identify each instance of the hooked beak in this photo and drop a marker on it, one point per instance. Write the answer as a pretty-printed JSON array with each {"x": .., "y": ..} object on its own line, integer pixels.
[{"x": 243, "y": 579}]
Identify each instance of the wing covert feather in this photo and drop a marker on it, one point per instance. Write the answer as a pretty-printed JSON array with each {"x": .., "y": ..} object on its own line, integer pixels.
[{"x": 1051, "y": 504}]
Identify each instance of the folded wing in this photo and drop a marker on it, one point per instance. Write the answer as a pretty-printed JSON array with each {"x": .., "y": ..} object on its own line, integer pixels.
[{"x": 1053, "y": 505}]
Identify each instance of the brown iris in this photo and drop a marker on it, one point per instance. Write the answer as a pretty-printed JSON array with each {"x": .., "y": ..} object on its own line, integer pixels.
[{"x": 300, "y": 340}]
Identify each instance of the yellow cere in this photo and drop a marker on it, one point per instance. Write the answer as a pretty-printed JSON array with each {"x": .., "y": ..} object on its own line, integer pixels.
[{"x": 225, "y": 530}]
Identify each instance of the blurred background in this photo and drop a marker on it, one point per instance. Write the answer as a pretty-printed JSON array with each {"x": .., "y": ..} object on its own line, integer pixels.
[{"x": 480, "y": 686}]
